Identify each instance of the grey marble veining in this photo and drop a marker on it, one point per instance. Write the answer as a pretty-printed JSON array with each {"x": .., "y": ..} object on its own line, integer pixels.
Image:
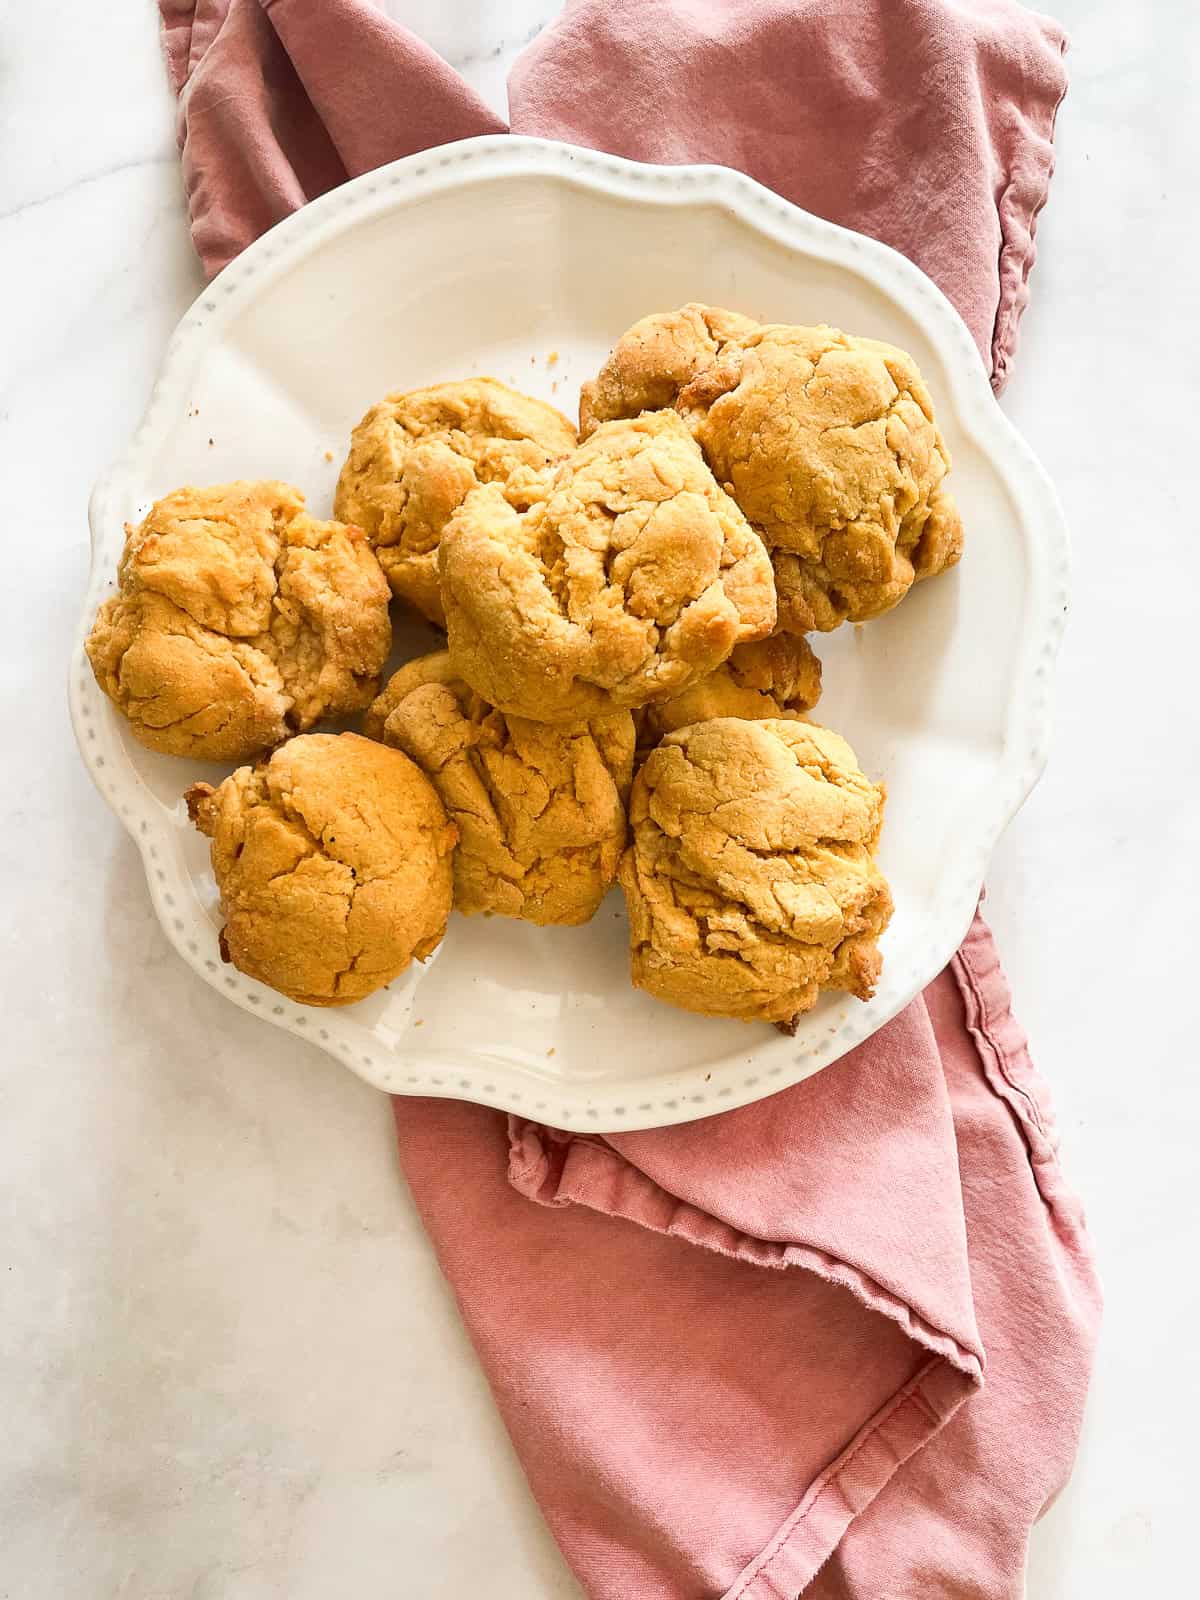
[{"x": 480, "y": 38}]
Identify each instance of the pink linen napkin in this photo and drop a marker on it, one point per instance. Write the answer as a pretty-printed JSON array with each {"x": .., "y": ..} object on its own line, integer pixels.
[
  {"x": 926, "y": 123},
  {"x": 844, "y": 1353},
  {"x": 837, "y": 1342}
]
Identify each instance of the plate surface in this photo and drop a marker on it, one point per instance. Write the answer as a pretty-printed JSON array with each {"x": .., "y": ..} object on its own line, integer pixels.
[{"x": 525, "y": 260}]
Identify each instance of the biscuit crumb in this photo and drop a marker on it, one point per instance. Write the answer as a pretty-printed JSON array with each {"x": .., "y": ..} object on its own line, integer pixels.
[
  {"x": 552, "y": 359},
  {"x": 329, "y": 455},
  {"x": 550, "y": 1052}
]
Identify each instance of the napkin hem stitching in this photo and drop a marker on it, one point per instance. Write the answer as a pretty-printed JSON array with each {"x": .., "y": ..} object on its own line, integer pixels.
[{"x": 799, "y": 1548}]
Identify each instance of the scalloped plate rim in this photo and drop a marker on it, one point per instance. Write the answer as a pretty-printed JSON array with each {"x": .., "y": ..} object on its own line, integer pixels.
[{"x": 682, "y": 1096}]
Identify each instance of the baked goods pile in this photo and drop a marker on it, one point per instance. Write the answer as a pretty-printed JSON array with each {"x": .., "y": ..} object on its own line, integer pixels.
[{"x": 625, "y": 688}]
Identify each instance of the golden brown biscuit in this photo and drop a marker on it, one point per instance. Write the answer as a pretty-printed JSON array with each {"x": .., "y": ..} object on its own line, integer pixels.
[
  {"x": 539, "y": 808},
  {"x": 827, "y": 442},
  {"x": 655, "y": 359},
  {"x": 432, "y": 668},
  {"x": 333, "y": 864},
  {"x": 632, "y": 577},
  {"x": 239, "y": 619},
  {"x": 750, "y": 881},
  {"x": 818, "y": 596},
  {"x": 415, "y": 457},
  {"x": 775, "y": 677}
]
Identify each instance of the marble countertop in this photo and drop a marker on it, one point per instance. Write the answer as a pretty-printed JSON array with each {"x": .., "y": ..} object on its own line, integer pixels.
[{"x": 231, "y": 1368}]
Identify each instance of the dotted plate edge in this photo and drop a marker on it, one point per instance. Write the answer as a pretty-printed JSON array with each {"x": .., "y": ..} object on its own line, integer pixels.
[{"x": 683, "y": 1096}]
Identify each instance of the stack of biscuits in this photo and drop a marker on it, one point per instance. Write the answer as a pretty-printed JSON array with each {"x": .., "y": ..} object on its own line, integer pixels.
[{"x": 625, "y": 687}]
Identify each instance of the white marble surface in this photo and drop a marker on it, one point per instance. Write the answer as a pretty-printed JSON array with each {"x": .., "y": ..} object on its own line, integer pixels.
[{"x": 230, "y": 1368}]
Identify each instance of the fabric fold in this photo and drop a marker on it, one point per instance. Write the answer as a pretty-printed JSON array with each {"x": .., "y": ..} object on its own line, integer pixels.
[
  {"x": 885, "y": 1409},
  {"x": 926, "y": 123},
  {"x": 381, "y": 93},
  {"x": 881, "y": 1156}
]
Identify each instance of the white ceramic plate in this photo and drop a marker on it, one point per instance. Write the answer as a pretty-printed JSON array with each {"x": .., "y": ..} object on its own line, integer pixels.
[{"x": 494, "y": 256}]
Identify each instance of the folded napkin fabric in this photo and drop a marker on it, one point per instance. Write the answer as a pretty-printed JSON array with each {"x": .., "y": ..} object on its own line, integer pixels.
[{"x": 835, "y": 1343}]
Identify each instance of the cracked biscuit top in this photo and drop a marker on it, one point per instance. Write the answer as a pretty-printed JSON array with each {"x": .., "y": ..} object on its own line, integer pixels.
[
  {"x": 775, "y": 677},
  {"x": 750, "y": 880},
  {"x": 333, "y": 864},
  {"x": 655, "y": 359},
  {"x": 632, "y": 576},
  {"x": 238, "y": 620},
  {"x": 539, "y": 808},
  {"x": 861, "y": 578},
  {"x": 415, "y": 457},
  {"x": 827, "y": 442}
]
